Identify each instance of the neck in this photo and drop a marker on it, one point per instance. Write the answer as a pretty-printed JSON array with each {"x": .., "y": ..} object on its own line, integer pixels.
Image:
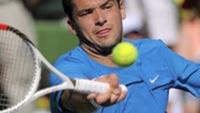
[{"x": 102, "y": 59}]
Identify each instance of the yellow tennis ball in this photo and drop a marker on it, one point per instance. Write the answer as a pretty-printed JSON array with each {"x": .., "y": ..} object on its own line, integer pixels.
[{"x": 124, "y": 54}]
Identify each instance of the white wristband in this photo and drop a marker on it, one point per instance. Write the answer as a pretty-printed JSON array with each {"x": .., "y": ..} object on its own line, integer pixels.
[{"x": 92, "y": 101}]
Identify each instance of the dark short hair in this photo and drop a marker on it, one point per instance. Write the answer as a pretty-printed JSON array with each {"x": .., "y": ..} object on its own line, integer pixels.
[{"x": 68, "y": 8}]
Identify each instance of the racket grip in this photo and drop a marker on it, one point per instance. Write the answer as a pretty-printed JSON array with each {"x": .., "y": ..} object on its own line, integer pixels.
[{"x": 89, "y": 86}]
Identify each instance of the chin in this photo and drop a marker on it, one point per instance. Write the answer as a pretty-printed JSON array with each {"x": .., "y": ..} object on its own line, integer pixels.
[{"x": 109, "y": 42}]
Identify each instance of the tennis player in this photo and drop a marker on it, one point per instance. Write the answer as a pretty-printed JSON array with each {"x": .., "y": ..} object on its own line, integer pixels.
[{"x": 98, "y": 26}]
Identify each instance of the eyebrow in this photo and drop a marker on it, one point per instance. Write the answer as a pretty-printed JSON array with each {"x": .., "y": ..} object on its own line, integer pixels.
[
  {"x": 89, "y": 9},
  {"x": 104, "y": 4}
]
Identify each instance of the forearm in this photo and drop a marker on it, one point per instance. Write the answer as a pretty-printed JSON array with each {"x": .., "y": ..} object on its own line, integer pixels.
[{"x": 76, "y": 102}]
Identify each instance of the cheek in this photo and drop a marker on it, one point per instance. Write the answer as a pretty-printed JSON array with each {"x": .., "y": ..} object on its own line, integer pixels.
[
  {"x": 114, "y": 18},
  {"x": 116, "y": 21},
  {"x": 86, "y": 22},
  {"x": 86, "y": 28}
]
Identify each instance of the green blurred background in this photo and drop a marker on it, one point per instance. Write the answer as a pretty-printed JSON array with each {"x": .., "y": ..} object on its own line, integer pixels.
[{"x": 54, "y": 39}]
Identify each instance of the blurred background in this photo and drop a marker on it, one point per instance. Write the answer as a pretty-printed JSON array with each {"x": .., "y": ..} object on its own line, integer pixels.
[{"x": 176, "y": 22}]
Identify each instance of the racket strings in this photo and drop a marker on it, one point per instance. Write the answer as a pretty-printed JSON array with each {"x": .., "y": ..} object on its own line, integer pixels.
[
  {"x": 3, "y": 102},
  {"x": 17, "y": 68}
]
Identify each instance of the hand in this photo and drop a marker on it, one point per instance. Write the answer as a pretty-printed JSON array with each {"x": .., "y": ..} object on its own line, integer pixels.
[{"x": 113, "y": 95}]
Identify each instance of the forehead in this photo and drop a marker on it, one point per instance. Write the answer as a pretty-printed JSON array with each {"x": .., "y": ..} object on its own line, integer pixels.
[{"x": 81, "y": 4}]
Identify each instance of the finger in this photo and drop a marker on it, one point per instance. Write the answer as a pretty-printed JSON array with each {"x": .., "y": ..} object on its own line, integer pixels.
[
  {"x": 103, "y": 97},
  {"x": 110, "y": 96},
  {"x": 113, "y": 80},
  {"x": 116, "y": 91},
  {"x": 122, "y": 95},
  {"x": 114, "y": 98},
  {"x": 92, "y": 96}
]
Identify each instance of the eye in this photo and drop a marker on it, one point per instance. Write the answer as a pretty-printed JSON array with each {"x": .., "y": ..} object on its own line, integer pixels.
[
  {"x": 107, "y": 6},
  {"x": 85, "y": 12}
]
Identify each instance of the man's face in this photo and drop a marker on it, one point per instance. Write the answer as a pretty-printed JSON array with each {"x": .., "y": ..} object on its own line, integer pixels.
[{"x": 99, "y": 20}]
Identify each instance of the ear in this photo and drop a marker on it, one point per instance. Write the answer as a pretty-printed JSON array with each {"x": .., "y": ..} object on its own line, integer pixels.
[
  {"x": 70, "y": 27},
  {"x": 122, "y": 9}
]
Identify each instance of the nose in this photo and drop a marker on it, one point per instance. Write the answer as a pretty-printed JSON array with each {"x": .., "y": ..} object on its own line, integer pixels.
[{"x": 99, "y": 17}]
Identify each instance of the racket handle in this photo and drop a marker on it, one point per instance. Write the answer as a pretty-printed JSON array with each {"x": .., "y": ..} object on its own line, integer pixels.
[{"x": 89, "y": 86}]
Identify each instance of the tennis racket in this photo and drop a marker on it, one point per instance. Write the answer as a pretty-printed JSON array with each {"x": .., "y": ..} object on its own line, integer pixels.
[{"x": 20, "y": 72}]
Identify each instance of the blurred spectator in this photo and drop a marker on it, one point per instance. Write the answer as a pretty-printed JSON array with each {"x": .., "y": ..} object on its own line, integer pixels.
[
  {"x": 157, "y": 19},
  {"x": 133, "y": 24},
  {"x": 189, "y": 45}
]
